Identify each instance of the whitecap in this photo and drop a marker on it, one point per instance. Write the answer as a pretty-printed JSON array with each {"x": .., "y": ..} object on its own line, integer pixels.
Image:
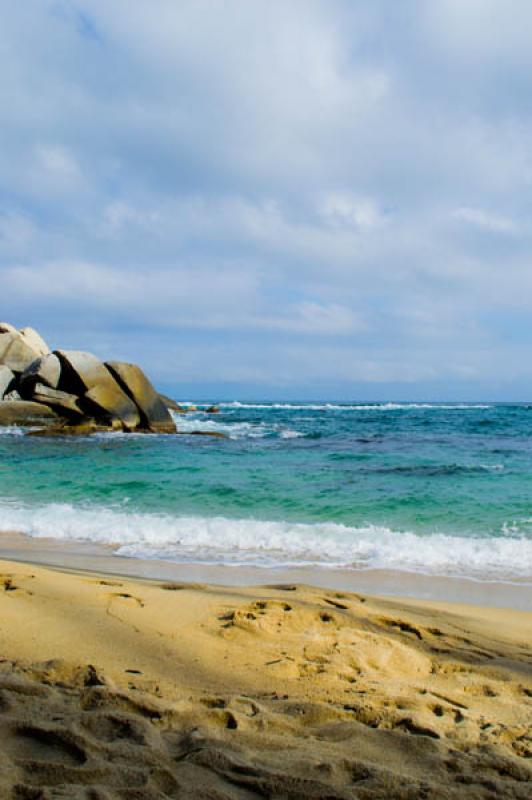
[
  {"x": 219, "y": 539},
  {"x": 236, "y": 404}
]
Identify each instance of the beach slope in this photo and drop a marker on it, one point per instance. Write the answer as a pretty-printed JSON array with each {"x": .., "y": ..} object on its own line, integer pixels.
[{"x": 120, "y": 688}]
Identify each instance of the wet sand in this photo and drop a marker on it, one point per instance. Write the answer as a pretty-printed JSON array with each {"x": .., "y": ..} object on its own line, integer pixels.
[
  {"x": 100, "y": 558},
  {"x": 113, "y": 687}
]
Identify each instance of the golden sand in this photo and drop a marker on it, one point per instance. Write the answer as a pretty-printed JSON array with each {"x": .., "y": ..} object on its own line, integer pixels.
[{"x": 121, "y": 688}]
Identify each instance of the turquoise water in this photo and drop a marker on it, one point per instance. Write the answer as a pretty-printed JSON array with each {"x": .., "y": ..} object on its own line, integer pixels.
[{"x": 443, "y": 489}]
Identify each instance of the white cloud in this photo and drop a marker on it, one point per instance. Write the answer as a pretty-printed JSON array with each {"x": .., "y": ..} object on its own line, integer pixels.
[
  {"x": 313, "y": 318},
  {"x": 345, "y": 209},
  {"x": 273, "y": 181},
  {"x": 58, "y": 162},
  {"x": 483, "y": 219},
  {"x": 119, "y": 217}
]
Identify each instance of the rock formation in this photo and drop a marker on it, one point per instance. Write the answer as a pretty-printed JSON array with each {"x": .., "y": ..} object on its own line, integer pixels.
[
  {"x": 7, "y": 380},
  {"x": 73, "y": 391},
  {"x": 46, "y": 369},
  {"x": 17, "y": 351},
  {"x": 85, "y": 375},
  {"x": 24, "y": 412},
  {"x": 154, "y": 414}
]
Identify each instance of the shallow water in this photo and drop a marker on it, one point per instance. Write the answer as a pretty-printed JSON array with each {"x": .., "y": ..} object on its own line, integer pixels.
[{"x": 440, "y": 489}]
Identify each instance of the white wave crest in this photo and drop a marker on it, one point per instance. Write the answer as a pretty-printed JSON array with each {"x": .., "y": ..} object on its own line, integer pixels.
[
  {"x": 354, "y": 407},
  {"x": 235, "y": 430},
  {"x": 11, "y": 430},
  {"x": 289, "y": 434},
  {"x": 263, "y": 543}
]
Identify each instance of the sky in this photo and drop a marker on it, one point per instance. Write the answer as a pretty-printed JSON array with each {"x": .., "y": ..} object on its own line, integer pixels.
[{"x": 261, "y": 198}]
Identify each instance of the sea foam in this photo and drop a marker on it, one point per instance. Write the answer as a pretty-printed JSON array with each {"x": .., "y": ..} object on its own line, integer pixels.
[
  {"x": 236, "y": 404},
  {"x": 194, "y": 422},
  {"x": 272, "y": 543}
]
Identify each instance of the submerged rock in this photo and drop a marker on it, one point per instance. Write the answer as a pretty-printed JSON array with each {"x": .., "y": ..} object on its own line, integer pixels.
[
  {"x": 216, "y": 434},
  {"x": 154, "y": 414},
  {"x": 86, "y": 428}
]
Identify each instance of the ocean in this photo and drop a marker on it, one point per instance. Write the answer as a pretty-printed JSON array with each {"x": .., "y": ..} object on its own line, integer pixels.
[{"x": 439, "y": 489}]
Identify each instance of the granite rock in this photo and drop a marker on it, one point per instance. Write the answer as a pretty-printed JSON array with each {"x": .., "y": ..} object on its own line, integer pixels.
[
  {"x": 24, "y": 412},
  {"x": 154, "y": 413}
]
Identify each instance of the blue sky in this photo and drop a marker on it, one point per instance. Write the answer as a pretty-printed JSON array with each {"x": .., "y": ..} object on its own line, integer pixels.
[{"x": 314, "y": 198}]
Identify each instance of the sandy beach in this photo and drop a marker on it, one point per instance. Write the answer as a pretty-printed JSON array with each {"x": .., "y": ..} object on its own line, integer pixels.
[{"x": 114, "y": 687}]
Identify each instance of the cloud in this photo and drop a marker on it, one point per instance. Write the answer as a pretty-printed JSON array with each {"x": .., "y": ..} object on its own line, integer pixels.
[
  {"x": 491, "y": 222},
  {"x": 315, "y": 192},
  {"x": 341, "y": 209}
]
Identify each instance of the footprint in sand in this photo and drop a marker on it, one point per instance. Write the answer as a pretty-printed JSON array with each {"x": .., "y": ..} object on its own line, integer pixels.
[
  {"x": 266, "y": 616},
  {"x": 36, "y": 743},
  {"x": 335, "y": 603},
  {"x": 128, "y": 598},
  {"x": 118, "y": 727},
  {"x": 7, "y": 583}
]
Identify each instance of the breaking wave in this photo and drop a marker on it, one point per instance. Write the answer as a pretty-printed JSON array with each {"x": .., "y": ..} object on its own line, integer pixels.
[
  {"x": 191, "y": 423},
  {"x": 354, "y": 407},
  {"x": 222, "y": 540}
]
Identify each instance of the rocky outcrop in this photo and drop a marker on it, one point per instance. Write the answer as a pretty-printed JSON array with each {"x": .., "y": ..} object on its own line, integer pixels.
[
  {"x": 67, "y": 429},
  {"x": 171, "y": 404},
  {"x": 85, "y": 375},
  {"x": 81, "y": 371},
  {"x": 16, "y": 351},
  {"x": 65, "y": 404},
  {"x": 7, "y": 381},
  {"x": 24, "y": 412},
  {"x": 106, "y": 401},
  {"x": 46, "y": 370},
  {"x": 154, "y": 414},
  {"x": 35, "y": 341},
  {"x": 73, "y": 391}
]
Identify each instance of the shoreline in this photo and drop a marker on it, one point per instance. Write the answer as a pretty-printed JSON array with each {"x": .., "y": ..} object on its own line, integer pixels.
[
  {"x": 133, "y": 687},
  {"x": 95, "y": 557}
]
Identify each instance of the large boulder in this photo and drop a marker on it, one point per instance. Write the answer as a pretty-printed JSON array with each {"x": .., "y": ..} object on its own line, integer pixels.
[
  {"x": 173, "y": 405},
  {"x": 154, "y": 413},
  {"x": 65, "y": 404},
  {"x": 84, "y": 375},
  {"x": 23, "y": 412},
  {"x": 16, "y": 351},
  {"x": 45, "y": 369},
  {"x": 35, "y": 341},
  {"x": 7, "y": 380},
  {"x": 115, "y": 405}
]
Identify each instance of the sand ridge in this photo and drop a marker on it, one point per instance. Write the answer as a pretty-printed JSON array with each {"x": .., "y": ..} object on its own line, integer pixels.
[{"x": 120, "y": 688}]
